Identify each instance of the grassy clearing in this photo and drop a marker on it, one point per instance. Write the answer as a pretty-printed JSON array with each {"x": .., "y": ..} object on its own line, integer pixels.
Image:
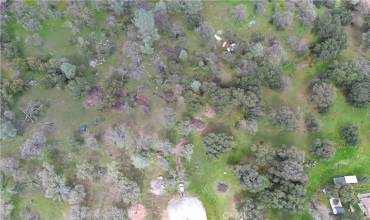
[
  {"x": 205, "y": 174},
  {"x": 48, "y": 209}
]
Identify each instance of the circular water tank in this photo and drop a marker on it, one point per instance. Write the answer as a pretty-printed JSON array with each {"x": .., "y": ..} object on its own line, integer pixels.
[{"x": 186, "y": 208}]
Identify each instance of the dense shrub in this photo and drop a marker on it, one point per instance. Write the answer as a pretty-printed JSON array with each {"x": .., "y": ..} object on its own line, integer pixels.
[
  {"x": 251, "y": 179},
  {"x": 332, "y": 37},
  {"x": 312, "y": 123},
  {"x": 344, "y": 14},
  {"x": 350, "y": 134},
  {"x": 206, "y": 32},
  {"x": 260, "y": 6},
  {"x": 54, "y": 186},
  {"x": 272, "y": 77},
  {"x": 32, "y": 148},
  {"x": 285, "y": 118},
  {"x": 344, "y": 74},
  {"x": 286, "y": 173},
  {"x": 366, "y": 40},
  {"x": 78, "y": 87},
  {"x": 359, "y": 94},
  {"x": 322, "y": 94},
  {"x": 144, "y": 21},
  {"x": 192, "y": 11},
  {"x": 217, "y": 144},
  {"x": 347, "y": 194},
  {"x": 324, "y": 149},
  {"x": 282, "y": 19},
  {"x": 300, "y": 46},
  {"x": 307, "y": 11},
  {"x": 250, "y": 210},
  {"x": 239, "y": 13}
]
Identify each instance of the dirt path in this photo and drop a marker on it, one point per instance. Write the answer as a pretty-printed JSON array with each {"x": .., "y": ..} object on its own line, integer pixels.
[{"x": 178, "y": 149}]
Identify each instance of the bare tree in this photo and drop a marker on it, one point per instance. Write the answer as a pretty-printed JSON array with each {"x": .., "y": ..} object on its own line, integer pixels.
[{"x": 32, "y": 110}]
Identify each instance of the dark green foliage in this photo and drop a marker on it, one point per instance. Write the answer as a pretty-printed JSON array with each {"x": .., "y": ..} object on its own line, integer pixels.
[
  {"x": 289, "y": 181},
  {"x": 363, "y": 179},
  {"x": 13, "y": 87},
  {"x": 322, "y": 94},
  {"x": 245, "y": 100},
  {"x": 250, "y": 210},
  {"x": 113, "y": 91},
  {"x": 219, "y": 98},
  {"x": 285, "y": 118},
  {"x": 366, "y": 40},
  {"x": 328, "y": 49},
  {"x": 285, "y": 195},
  {"x": 345, "y": 74},
  {"x": 350, "y": 134},
  {"x": 324, "y": 149},
  {"x": 192, "y": 11},
  {"x": 193, "y": 101},
  {"x": 312, "y": 123},
  {"x": 78, "y": 87},
  {"x": 285, "y": 171},
  {"x": 251, "y": 179},
  {"x": 359, "y": 94},
  {"x": 217, "y": 144},
  {"x": 282, "y": 19},
  {"x": 288, "y": 165},
  {"x": 52, "y": 80},
  {"x": 8, "y": 45},
  {"x": 344, "y": 14},
  {"x": 356, "y": 215},
  {"x": 347, "y": 194},
  {"x": 332, "y": 37},
  {"x": 328, "y": 26},
  {"x": 272, "y": 77},
  {"x": 260, "y": 6},
  {"x": 264, "y": 154}
]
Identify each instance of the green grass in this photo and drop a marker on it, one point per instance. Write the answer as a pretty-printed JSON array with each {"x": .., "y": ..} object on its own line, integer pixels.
[
  {"x": 205, "y": 174},
  {"x": 48, "y": 209},
  {"x": 347, "y": 160}
]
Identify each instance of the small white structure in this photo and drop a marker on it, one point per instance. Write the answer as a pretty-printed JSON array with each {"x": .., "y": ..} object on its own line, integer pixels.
[
  {"x": 186, "y": 208},
  {"x": 93, "y": 63},
  {"x": 218, "y": 35},
  {"x": 336, "y": 206},
  {"x": 345, "y": 180},
  {"x": 181, "y": 189},
  {"x": 252, "y": 23}
]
